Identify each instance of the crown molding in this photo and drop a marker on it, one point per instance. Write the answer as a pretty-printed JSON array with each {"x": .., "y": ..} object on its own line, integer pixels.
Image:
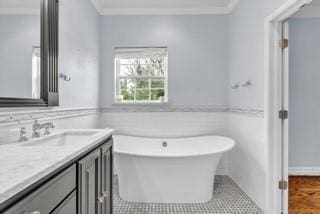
[
  {"x": 232, "y": 5},
  {"x": 19, "y": 11},
  {"x": 165, "y": 11},
  {"x": 97, "y": 4}
]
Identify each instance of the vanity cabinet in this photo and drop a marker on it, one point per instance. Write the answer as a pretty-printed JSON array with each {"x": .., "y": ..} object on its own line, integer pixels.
[
  {"x": 95, "y": 181},
  {"x": 51, "y": 195},
  {"x": 82, "y": 186}
]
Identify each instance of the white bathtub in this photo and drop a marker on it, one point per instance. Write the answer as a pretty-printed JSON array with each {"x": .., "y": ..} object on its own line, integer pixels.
[{"x": 181, "y": 172}]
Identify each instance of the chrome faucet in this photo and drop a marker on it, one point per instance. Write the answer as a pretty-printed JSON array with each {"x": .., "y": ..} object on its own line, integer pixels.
[
  {"x": 36, "y": 127},
  {"x": 23, "y": 133}
]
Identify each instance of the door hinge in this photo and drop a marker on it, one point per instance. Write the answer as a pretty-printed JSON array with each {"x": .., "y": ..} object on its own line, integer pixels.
[
  {"x": 283, "y": 185},
  {"x": 284, "y": 43},
  {"x": 283, "y": 114}
]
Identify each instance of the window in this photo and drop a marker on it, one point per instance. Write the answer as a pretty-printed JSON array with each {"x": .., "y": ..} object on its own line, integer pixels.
[{"x": 141, "y": 75}]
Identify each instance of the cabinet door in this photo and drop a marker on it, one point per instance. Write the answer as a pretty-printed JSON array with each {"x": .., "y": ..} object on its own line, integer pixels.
[
  {"x": 107, "y": 178},
  {"x": 69, "y": 205},
  {"x": 90, "y": 184}
]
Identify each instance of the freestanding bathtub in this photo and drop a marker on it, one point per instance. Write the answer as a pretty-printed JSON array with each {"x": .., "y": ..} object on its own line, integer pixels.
[{"x": 168, "y": 170}]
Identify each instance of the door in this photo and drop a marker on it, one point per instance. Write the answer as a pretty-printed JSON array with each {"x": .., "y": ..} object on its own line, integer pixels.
[
  {"x": 285, "y": 120},
  {"x": 106, "y": 178},
  {"x": 90, "y": 184}
]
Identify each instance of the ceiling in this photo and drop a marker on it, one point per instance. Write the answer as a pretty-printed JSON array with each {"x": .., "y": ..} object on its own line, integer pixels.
[
  {"x": 311, "y": 10},
  {"x": 109, "y": 7},
  {"x": 127, "y": 7}
]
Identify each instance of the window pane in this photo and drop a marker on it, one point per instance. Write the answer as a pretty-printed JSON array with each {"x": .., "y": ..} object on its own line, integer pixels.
[
  {"x": 128, "y": 95},
  {"x": 143, "y": 70},
  {"x": 157, "y": 83},
  {"x": 142, "y": 83},
  {"x": 156, "y": 94},
  {"x": 127, "y": 84},
  {"x": 142, "y": 95},
  {"x": 157, "y": 72},
  {"x": 159, "y": 60},
  {"x": 127, "y": 70},
  {"x": 129, "y": 61}
]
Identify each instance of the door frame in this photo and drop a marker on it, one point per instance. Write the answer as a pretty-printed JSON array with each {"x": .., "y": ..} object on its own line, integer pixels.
[{"x": 274, "y": 100}]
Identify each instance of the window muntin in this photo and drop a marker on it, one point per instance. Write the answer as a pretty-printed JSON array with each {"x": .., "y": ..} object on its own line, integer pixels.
[{"x": 141, "y": 75}]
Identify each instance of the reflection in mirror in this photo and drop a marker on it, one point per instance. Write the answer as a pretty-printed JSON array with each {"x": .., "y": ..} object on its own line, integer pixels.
[{"x": 20, "y": 31}]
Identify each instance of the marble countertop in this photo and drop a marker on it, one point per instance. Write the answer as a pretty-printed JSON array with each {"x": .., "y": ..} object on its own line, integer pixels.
[{"x": 21, "y": 165}]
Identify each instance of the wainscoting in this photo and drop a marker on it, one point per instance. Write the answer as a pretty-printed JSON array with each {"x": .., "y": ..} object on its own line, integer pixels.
[{"x": 246, "y": 165}]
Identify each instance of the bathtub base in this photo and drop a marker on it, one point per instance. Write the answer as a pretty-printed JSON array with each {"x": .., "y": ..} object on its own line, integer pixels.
[{"x": 166, "y": 180}]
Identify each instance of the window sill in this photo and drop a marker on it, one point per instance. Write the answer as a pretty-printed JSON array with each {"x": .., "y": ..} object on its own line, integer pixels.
[{"x": 164, "y": 104}]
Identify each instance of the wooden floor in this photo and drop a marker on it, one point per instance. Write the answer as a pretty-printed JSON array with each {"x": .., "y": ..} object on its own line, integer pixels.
[{"x": 304, "y": 195}]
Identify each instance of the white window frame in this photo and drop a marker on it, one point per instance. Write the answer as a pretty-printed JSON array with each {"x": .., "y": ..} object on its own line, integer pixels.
[{"x": 143, "y": 51}]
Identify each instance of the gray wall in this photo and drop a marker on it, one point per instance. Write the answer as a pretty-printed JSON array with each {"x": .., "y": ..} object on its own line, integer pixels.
[
  {"x": 304, "y": 133},
  {"x": 198, "y": 54},
  {"x": 18, "y": 35},
  {"x": 79, "y": 53},
  {"x": 246, "y": 59}
]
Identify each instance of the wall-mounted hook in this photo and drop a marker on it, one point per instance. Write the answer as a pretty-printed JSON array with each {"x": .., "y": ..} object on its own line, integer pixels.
[
  {"x": 247, "y": 83},
  {"x": 235, "y": 86},
  {"x": 65, "y": 77}
]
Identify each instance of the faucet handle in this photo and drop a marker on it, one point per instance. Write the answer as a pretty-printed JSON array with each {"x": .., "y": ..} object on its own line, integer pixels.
[{"x": 23, "y": 132}]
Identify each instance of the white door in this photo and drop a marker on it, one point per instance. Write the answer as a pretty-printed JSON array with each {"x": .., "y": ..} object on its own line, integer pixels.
[{"x": 285, "y": 122}]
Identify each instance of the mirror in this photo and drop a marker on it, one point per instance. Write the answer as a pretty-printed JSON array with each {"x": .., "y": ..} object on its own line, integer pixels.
[
  {"x": 28, "y": 53},
  {"x": 20, "y": 30}
]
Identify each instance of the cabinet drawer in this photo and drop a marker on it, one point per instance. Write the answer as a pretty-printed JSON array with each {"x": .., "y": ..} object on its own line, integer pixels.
[
  {"x": 47, "y": 197},
  {"x": 69, "y": 206}
]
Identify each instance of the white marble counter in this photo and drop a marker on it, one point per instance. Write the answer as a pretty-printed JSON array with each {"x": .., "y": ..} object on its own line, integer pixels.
[{"x": 22, "y": 166}]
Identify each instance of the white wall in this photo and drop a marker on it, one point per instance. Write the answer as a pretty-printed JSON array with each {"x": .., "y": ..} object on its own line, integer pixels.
[
  {"x": 18, "y": 35},
  {"x": 304, "y": 69},
  {"x": 198, "y": 52},
  {"x": 249, "y": 162},
  {"x": 79, "y": 53}
]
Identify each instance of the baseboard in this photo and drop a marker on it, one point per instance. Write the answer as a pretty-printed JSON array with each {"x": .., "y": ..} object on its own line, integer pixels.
[
  {"x": 221, "y": 171},
  {"x": 306, "y": 171}
]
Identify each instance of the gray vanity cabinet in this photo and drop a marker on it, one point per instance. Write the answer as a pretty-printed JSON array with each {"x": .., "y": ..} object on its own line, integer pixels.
[
  {"x": 107, "y": 179},
  {"x": 95, "y": 181},
  {"x": 47, "y": 198},
  {"x": 84, "y": 186},
  {"x": 69, "y": 205},
  {"x": 90, "y": 183}
]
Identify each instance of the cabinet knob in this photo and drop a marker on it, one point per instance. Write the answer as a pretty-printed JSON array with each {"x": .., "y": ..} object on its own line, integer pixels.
[
  {"x": 101, "y": 199},
  {"x": 105, "y": 194},
  {"x": 33, "y": 212}
]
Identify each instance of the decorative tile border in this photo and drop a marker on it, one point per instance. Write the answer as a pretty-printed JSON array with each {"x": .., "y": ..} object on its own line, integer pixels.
[
  {"x": 251, "y": 112},
  {"x": 19, "y": 116},
  {"x": 165, "y": 109}
]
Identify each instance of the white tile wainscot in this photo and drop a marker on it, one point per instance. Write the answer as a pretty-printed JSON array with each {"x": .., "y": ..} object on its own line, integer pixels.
[
  {"x": 248, "y": 160},
  {"x": 168, "y": 123},
  {"x": 11, "y": 122}
]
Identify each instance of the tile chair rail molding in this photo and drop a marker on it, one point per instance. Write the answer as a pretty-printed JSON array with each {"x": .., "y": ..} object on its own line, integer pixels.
[{"x": 16, "y": 117}]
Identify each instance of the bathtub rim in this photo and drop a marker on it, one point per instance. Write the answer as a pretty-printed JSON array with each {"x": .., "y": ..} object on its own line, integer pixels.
[{"x": 153, "y": 155}]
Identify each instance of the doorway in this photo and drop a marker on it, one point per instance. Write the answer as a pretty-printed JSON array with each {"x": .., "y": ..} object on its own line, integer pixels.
[{"x": 285, "y": 124}]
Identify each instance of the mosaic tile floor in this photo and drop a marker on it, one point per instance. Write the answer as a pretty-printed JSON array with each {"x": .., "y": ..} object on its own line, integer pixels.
[{"x": 228, "y": 198}]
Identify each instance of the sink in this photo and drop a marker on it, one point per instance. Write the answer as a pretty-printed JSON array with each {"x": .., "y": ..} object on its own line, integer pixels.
[{"x": 64, "y": 138}]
